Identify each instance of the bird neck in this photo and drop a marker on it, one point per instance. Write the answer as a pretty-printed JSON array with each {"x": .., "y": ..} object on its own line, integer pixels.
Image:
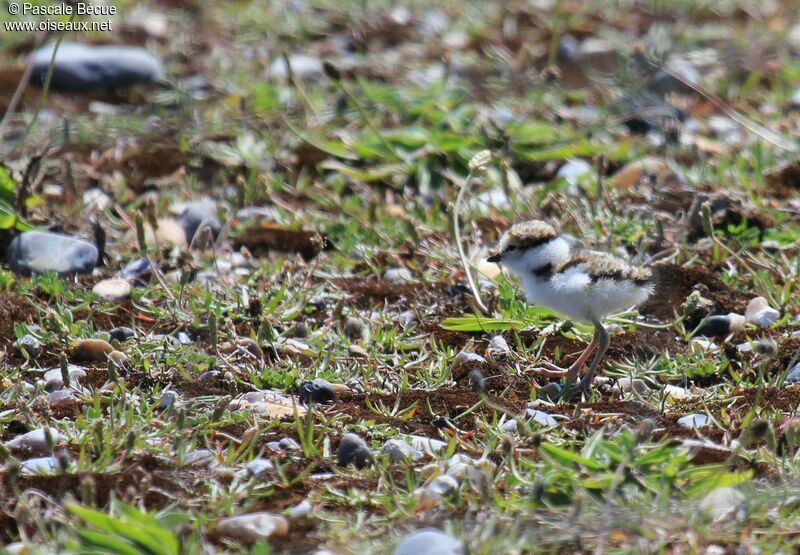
[{"x": 541, "y": 260}]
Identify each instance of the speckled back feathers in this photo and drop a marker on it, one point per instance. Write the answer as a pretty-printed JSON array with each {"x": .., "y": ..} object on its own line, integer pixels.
[{"x": 602, "y": 265}]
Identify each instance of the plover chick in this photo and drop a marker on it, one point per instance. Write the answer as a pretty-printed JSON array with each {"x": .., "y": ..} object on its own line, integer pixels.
[{"x": 584, "y": 285}]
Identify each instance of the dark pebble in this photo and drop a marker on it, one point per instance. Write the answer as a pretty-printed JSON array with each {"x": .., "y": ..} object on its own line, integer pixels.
[
  {"x": 138, "y": 272},
  {"x": 550, "y": 392},
  {"x": 300, "y": 330},
  {"x": 317, "y": 391},
  {"x": 199, "y": 213},
  {"x": 30, "y": 345},
  {"x": 715, "y": 326},
  {"x": 122, "y": 334},
  {"x": 84, "y": 67},
  {"x": 353, "y": 450},
  {"x": 353, "y": 329}
]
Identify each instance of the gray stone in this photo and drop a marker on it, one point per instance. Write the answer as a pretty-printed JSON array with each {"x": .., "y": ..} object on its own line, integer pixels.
[
  {"x": 794, "y": 374},
  {"x": 34, "y": 440},
  {"x": 541, "y": 417},
  {"x": 725, "y": 503},
  {"x": 54, "y": 379},
  {"x": 399, "y": 450},
  {"x": 40, "y": 465},
  {"x": 429, "y": 541},
  {"x": 760, "y": 313},
  {"x": 253, "y": 527},
  {"x": 122, "y": 334},
  {"x": 256, "y": 469},
  {"x": 39, "y": 251},
  {"x": 796, "y": 99},
  {"x": 306, "y": 68},
  {"x": 30, "y": 345},
  {"x": 665, "y": 82},
  {"x": 498, "y": 344},
  {"x": 628, "y": 385},
  {"x": 353, "y": 329},
  {"x": 83, "y": 67},
  {"x": 575, "y": 170},
  {"x": 398, "y": 275},
  {"x": 196, "y": 214},
  {"x": 550, "y": 392},
  {"x": 693, "y": 421},
  {"x": 353, "y": 449},
  {"x": 407, "y": 319}
]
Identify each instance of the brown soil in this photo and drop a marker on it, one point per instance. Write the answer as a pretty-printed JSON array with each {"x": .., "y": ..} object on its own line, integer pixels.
[{"x": 675, "y": 283}]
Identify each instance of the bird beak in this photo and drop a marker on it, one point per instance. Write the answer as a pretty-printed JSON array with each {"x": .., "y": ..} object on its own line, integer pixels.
[{"x": 496, "y": 258}]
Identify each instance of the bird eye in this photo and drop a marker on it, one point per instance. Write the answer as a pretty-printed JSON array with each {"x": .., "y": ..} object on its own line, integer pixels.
[{"x": 511, "y": 248}]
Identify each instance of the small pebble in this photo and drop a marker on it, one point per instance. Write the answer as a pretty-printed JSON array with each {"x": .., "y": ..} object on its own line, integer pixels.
[
  {"x": 289, "y": 445},
  {"x": 399, "y": 450},
  {"x": 40, "y": 465},
  {"x": 676, "y": 392},
  {"x": 693, "y": 421},
  {"x": 760, "y": 313},
  {"x": 34, "y": 440},
  {"x": 113, "y": 289},
  {"x": 316, "y": 391},
  {"x": 253, "y": 527},
  {"x": 54, "y": 379},
  {"x": 574, "y": 170},
  {"x": 766, "y": 346},
  {"x": 353, "y": 449},
  {"x": 256, "y": 469},
  {"x": 498, "y": 344},
  {"x": 550, "y": 392},
  {"x": 167, "y": 400},
  {"x": 303, "y": 66},
  {"x": 541, "y": 418},
  {"x": 195, "y": 214},
  {"x": 301, "y": 510},
  {"x": 465, "y": 357},
  {"x": 301, "y": 330},
  {"x": 725, "y": 503},
  {"x": 407, "y": 319},
  {"x": 794, "y": 374},
  {"x": 30, "y": 345},
  {"x": 429, "y": 541},
  {"x": 398, "y": 275},
  {"x": 137, "y": 271},
  {"x": 89, "y": 67},
  {"x": 209, "y": 375},
  {"x": 509, "y": 426},
  {"x": 118, "y": 358},
  {"x": 38, "y": 251},
  {"x": 198, "y": 457},
  {"x": 353, "y": 329},
  {"x": 721, "y": 325},
  {"x": 95, "y": 350},
  {"x": 629, "y": 385},
  {"x": 63, "y": 401},
  {"x": 121, "y": 334},
  {"x": 433, "y": 493},
  {"x": 427, "y": 445}
]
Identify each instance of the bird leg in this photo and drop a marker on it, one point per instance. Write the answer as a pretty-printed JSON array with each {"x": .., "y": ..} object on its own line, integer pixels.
[
  {"x": 604, "y": 341},
  {"x": 573, "y": 371},
  {"x": 556, "y": 371}
]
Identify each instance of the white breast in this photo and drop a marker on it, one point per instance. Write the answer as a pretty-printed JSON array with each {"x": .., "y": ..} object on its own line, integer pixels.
[{"x": 573, "y": 294}]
